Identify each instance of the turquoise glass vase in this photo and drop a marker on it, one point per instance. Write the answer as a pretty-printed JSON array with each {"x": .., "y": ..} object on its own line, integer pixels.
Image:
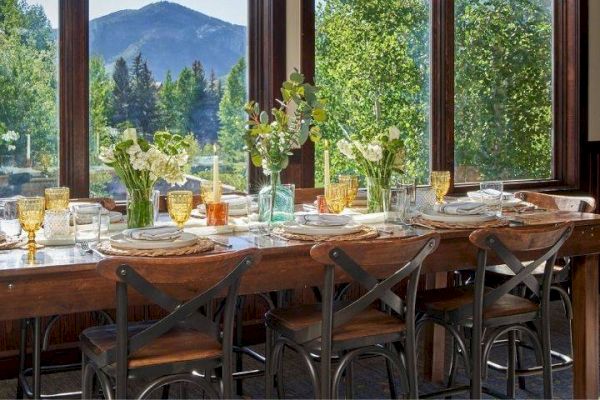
[{"x": 276, "y": 205}]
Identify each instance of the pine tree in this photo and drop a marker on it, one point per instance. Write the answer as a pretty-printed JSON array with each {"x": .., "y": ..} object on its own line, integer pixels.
[
  {"x": 208, "y": 109},
  {"x": 121, "y": 93},
  {"x": 231, "y": 115},
  {"x": 143, "y": 109},
  {"x": 185, "y": 87},
  {"x": 100, "y": 96},
  {"x": 170, "y": 114}
]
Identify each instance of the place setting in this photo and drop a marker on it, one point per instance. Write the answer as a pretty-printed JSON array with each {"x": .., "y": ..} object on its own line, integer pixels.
[{"x": 323, "y": 227}]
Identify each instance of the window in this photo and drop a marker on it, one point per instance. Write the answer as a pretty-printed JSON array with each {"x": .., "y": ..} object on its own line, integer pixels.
[
  {"x": 28, "y": 98},
  {"x": 375, "y": 50},
  {"x": 503, "y": 90},
  {"x": 169, "y": 66}
]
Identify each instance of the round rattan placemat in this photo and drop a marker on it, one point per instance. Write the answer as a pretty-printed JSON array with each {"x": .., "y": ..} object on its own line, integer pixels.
[
  {"x": 203, "y": 245},
  {"x": 12, "y": 243},
  {"x": 445, "y": 225},
  {"x": 365, "y": 233}
]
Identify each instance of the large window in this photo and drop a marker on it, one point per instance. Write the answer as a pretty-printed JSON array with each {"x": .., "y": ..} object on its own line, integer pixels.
[
  {"x": 503, "y": 90},
  {"x": 375, "y": 50},
  {"x": 28, "y": 98},
  {"x": 169, "y": 66}
]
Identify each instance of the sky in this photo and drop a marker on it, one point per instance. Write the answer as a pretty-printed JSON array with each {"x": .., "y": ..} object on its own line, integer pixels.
[{"x": 234, "y": 11}]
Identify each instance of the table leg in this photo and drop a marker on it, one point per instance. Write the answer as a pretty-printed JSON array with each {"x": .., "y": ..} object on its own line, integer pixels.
[
  {"x": 435, "y": 337},
  {"x": 37, "y": 355},
  {"x": 585, "y": 327}
]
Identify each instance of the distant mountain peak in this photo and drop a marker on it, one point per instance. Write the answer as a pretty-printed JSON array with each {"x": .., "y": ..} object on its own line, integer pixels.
[{"x": 170, "y": 36}]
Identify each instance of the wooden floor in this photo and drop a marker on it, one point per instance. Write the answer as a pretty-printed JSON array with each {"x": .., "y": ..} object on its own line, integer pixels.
[{"x": 370, "y": 377}]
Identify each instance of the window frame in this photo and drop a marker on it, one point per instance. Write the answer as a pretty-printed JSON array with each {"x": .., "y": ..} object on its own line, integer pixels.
[
  {"x": 266, "y": 71},
  {"x": 566, "y": 92}
]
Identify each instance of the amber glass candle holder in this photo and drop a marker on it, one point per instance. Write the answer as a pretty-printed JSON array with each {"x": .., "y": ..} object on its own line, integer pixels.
[
  {"x": 57, "y": 198},
  {"x": 217, "y": 214}
]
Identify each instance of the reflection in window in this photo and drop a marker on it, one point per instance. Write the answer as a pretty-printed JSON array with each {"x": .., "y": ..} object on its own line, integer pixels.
[
  {"x": 503, "y": 90},
  {"x": 367, "y": 49},
  {"x": 28, "y": 99},
  {"x": 168, "y": 67}
]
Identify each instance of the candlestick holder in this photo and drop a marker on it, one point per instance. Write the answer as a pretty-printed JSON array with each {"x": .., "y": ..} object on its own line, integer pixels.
[{"x": 217, "y": 214}]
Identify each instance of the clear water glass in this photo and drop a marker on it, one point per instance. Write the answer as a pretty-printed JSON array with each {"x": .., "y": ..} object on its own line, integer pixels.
[
  {"x": 396, "y": 203},
  {"x": 156, "y": 204},
  {"x": 9, "y": 217},
  {"x": 87, "y": 219},
  {"x": 490, "y": 193}
]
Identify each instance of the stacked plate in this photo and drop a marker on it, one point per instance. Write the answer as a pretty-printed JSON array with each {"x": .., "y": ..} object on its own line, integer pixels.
[
  {"x": 153, "y": 238},
  {"x": 460, "y": 212},
  {"x": 311, "y": 224}
]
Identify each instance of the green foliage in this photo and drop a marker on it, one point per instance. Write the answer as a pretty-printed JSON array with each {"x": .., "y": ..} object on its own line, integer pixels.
[
  {"x": 368, "y": 49},
  {"x": 143, "y": 111},
  {"x": 28, "y": 82},
  {"x": 101, "y": 87},
  {"x": 121, "y": 93},
  {"x": 503, "y": 120},
  {"x": 231, "y": 114}
]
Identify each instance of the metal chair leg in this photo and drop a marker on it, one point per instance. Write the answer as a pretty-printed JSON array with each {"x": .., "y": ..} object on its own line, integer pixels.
[
  {"x": 510, "y": 372},
  {"x": 547, "y": 359},
  {"x": 269, "y": 377},
  {"x": 37, "y": 355},
  {"x": 390, "y": 377},
  {"x": 349, "y": 378},
  {"x": 22, "y": 355}
]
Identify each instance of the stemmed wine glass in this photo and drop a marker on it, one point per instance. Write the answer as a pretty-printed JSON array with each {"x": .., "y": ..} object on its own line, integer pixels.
[
  {"x": 336, "y": 197},
  {"x": 179, "y": 204},
  {"x": 440, "y": 182},
  {"x": 351, "y": 182},
  {"x": 31, "y": 216}
]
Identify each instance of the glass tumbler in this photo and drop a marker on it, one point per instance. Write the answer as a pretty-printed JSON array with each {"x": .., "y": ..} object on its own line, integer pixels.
[
  {"x": 57, "y": 224},
  {"x": 336, "y": 196},
  {"x": 57, "y": 198},
  {"x": 491, "y": 195},
  {"x": 9, "y": 217},
  {"x": 87, "y": 219},
  {"x": 217, "y": 214},
  {"x": 396, "y": 203}
]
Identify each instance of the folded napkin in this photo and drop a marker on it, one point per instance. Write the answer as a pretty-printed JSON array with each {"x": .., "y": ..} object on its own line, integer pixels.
[
  {"x": 157, "y": 233},
  {"x": 490, "y": 193},
  {"x": 373, "y": 218},
  {"x": 322, "y": 219},
  {"x": 461, "y": 208}
]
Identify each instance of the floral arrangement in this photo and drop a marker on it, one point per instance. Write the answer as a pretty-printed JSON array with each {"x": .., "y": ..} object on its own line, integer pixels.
[
  {"x": 378, "y": 156},
  {"x": 8, "y": 139},
  {"x": 270, "y": 140},
  {"x": 140, "y": 164}
]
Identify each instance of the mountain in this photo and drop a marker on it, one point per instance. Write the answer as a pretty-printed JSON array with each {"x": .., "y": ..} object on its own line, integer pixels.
[{"x": 170, "y": 36}]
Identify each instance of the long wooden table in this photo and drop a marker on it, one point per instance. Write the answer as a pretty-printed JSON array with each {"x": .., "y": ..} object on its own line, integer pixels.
[{"x": 63, "y": 281}]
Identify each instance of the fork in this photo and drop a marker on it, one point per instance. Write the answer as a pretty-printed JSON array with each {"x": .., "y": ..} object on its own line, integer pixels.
[{"x": 84, "y": 248}]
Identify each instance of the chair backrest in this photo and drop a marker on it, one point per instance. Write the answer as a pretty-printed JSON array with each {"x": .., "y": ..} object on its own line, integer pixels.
[
  {"x": 218, "y": 275},
  {"x": 562, "y": 203},
  {"x": 506, "y": 244},
  {"x": 377, "y": 267}
]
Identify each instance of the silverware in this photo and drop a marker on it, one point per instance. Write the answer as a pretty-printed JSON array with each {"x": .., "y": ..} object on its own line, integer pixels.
[
  {"x": 222, "y": 244},
  {"x": 278, "y": 237},
  {"x": 84, "y": 248}
]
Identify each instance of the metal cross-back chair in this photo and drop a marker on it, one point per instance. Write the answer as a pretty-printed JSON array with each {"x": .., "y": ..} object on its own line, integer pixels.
[
  {"x": 353, "y": 329},
  {"x": 484, "y": 314},
  {"x": 186, "y": 340},
  {"x": 561, "y": 281}
]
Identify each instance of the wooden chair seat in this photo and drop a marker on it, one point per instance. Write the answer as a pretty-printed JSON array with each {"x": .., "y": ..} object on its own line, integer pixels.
[
  {"x": 370, "y": 326},
  {"x": 180, "y": 344},
  {"x": 446, "y": 300}
]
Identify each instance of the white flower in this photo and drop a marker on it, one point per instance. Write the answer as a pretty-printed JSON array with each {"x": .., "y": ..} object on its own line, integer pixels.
[
  {"x": 373, "y": 152},
  {"x": 107, "y": 155},
  {"x": 134, "y": 149},
  {"x": 130, "y": 134},
  {"x": 345, "y": 148},
  {"x": 394, "y": 133},
  {"x": 11, "y": 147},
  {"x": 10, "y": 136}
]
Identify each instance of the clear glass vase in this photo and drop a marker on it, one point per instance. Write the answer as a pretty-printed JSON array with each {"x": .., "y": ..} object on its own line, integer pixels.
[
  {"x": 374, "y": 193},
  {"x": 276, "y": 205},
  {"x": 140, "y": 208}
]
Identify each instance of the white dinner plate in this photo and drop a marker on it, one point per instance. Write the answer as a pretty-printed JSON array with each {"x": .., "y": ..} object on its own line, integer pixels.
[
  {"x": 471, "y": 219},
  {"x": 233, "y": 212},
  {"x": 115, "y": 217},
  {"x": 297, "y": 229},
  {"x": 122, "y": 242}
]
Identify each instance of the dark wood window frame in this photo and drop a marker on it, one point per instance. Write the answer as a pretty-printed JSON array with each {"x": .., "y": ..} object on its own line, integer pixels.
[
  {"x": 266, "y": 40},
  {"x": 566, "y": 91}
]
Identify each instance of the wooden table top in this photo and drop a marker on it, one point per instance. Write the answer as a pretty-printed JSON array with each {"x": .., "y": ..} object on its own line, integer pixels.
[{"x": 53, "y": 259}]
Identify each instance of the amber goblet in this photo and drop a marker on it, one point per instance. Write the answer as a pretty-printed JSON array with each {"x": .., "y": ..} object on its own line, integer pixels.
[
  {"x": 31, "y": 216},
  {"x": 440, "y": 182},
  {"x": 179, "y": 205}
]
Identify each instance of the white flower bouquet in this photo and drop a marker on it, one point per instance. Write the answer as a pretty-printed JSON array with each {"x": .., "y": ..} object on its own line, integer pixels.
[
  {"x": 8, "y": 139},
  {"x": 140, "y": 164},
  {"x": 378, "y": 156}
]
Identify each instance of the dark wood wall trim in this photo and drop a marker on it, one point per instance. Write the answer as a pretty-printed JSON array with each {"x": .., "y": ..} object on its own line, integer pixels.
[
  {"x": 267, "y": 45},
  {"x": 73, "y": 95}
]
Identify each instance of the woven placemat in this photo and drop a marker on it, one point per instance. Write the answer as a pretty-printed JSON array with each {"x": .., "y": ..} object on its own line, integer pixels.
[
  {"x": 12, "y": 243},
  {"x": 445, "y": 225},
  {"x": 364, "y": 233},
  {"x": 202, "y": 246}
]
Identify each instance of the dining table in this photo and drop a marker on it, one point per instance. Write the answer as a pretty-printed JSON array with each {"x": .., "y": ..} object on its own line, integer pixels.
[{"x": 63, "y": 279}]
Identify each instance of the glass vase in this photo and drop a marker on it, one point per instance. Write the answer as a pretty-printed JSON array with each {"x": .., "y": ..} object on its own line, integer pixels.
[
  {"x": 276, "y": 205},
  {"x": 140, "y": 208},
  {"x": 374, "y": 193}
]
